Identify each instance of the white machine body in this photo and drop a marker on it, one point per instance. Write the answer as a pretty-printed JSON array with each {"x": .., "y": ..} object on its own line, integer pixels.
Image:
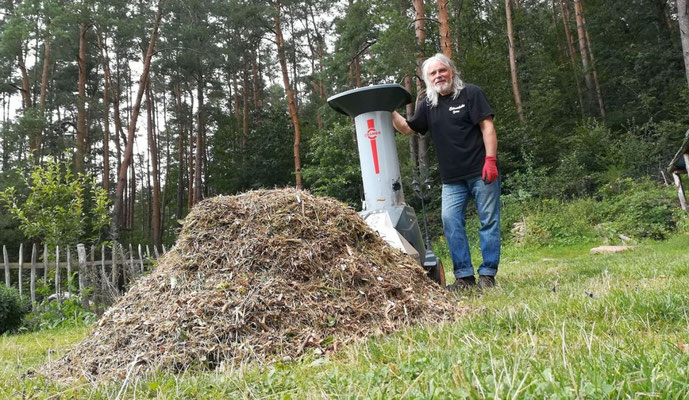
[{"x": 380, "y": 169}]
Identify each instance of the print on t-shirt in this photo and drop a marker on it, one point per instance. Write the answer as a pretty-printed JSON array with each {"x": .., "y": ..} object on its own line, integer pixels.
[{"x": 455, "y": 110}]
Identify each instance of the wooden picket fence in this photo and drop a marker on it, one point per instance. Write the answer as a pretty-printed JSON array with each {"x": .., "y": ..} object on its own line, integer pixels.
[{"x": 107, "y": 274}]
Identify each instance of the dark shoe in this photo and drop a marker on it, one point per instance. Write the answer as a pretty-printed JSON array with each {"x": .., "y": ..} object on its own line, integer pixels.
[
  {"x": 461, "y": 284},
  {"x": 486, "y": 281}
]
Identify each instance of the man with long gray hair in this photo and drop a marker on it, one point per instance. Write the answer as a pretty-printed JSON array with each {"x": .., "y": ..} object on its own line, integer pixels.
[{"x": 460, "y": 120}]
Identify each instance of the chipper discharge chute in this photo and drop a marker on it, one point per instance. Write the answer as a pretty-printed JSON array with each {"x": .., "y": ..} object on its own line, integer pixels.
[{"x": 384, "y": 209}]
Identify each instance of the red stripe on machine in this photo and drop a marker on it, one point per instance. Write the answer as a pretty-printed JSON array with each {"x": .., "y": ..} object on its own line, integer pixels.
[{"x": 372, "y": 133}]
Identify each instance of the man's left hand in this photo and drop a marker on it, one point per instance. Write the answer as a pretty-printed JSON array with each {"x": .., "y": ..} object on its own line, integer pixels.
[{"x": 490, "y": 169}]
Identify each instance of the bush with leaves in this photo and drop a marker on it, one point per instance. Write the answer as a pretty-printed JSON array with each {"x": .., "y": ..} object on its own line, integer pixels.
[
  {"x": 333, "y": 168},
  {"x": 639, "y": 209},
  {"x": 13, "y": 308},
  {"x": 51, "y": 314},
  {"x": 61, "y": 207},
  {"x": 549, "y": 222}
]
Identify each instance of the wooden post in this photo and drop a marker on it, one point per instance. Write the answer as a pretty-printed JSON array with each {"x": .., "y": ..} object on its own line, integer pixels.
[
  {"x": 114, "y": 271},
  {"x": 34, "y": 255},
  {"x": 93, "y": 269},
  {"x": 124, "y": 264},
  {"x": 45, "y": 263},
  {"x": 21, "y": 266},
  {"x": 164, "y": 250},
  {"x": 57, "y": 273},
  {"x": 680, "y": 191},
  {"x": 8, "y": 280},
  {"x": 141, "y": 260},
  {"x": 155, "y": 251},
  {"x": 81, "y": 255},
  {"x": 69, "y": 270},
  {"x": 686, "y": 162},
  {"x": 131, "y": 258},
  {"x": 103, "y": 274}
]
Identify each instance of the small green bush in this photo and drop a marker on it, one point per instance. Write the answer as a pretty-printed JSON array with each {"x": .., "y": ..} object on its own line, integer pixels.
[
  {"x": 556, "y": 222},
  {"x": 13, "y": 308},
  {"x": 51, "y": 314},
  {"x": 640, "y": 209},
  {"x": 548, "y": 222}
]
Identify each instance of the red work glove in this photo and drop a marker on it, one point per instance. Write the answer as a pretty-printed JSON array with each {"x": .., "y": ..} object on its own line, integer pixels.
[{"x": 490, "y": 169}]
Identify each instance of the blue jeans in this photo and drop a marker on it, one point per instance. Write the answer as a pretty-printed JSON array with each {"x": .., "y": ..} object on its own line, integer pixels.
[{"x": 455, "y": 198}]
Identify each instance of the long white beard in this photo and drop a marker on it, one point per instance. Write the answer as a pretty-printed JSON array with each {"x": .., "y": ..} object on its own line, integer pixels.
[{"x": 444, "y": 88}]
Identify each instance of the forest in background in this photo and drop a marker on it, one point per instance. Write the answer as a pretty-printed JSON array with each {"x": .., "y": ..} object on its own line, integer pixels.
[{"x": 166, "y": 103}]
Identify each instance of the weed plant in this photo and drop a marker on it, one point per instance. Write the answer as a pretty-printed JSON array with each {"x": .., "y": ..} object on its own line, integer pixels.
[{"x": 53, "y": 314}]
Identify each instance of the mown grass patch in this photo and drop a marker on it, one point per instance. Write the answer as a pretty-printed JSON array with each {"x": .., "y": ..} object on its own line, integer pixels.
[{"x": 562, "y": 323}]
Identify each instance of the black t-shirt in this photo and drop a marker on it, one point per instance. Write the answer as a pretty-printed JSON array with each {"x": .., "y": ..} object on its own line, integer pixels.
[{"x": 453, "y": 123}]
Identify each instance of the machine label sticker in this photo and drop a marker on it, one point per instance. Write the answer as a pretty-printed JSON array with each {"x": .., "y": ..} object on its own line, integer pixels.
[{"x": 372, "y": 134}]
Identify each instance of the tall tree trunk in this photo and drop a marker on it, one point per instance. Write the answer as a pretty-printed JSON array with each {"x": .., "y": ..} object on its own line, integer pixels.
[
  {"x": 290, "y": 98},
  {"x": 38, "y": 144},
  {"x": 413, "y": 139},
  {"x": 237, "y": 107},
  {"x": 143, "y": 81},
  {"x": 106, "y": 140},
  {"x": 206, "y": 151},
  {"x": 293, "y": 54},
  {"x": 583, "y": 50},
  {"x": 106, "y": 116},
  {"x": 255, "y": 81},
  {"x": 594, "y": 71},
  {"x": 572, "y": 53},
  {"x": 45, "y": 73},
  {"x": 153, "y": 147},
  {"x": 444, "y": 28},
  {"x": 111, "y": 93},
  {"x": 180, "y": 152},
  {"x": 5, "y": 147},
  {"x": 190, "y": 154},
  {"x": 198, "y": 161},
  {"x": 36, "y": 139},
  {"x": 245, "y": 106},
  {"x": 132, "y": 193},
  {"x": 81, "y": 101},
  {"x": 321, "y": 86},
  {"x": 168, "y": 161},
  {"x": 513, "y": 62},
  {"x": 423, "y": 158},
  {"x": 314, "y": 81},
  {"x": 147, "y": 222},
  {"x": 683, "y": 16},
  {"x": 115, "y": 95},
  {"x": 26, "y": 85}
]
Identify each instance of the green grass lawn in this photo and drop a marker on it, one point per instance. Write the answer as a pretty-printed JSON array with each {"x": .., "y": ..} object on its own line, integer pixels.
[{"x": 560, "y": 324}]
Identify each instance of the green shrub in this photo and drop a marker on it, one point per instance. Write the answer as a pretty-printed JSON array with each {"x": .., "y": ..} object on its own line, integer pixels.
[
  {"x": 556, "y": 222},
  {"x": 52, "y": 314},
  {"x": 13, "y": 308},
  {"x": 548, "y": 222},
  {"x": 333, "y": 166},
  {"x": 640, "y": 209}
]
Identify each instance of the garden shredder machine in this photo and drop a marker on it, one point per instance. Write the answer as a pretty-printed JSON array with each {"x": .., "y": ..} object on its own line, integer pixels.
[{"x": 384, "y": 208}]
